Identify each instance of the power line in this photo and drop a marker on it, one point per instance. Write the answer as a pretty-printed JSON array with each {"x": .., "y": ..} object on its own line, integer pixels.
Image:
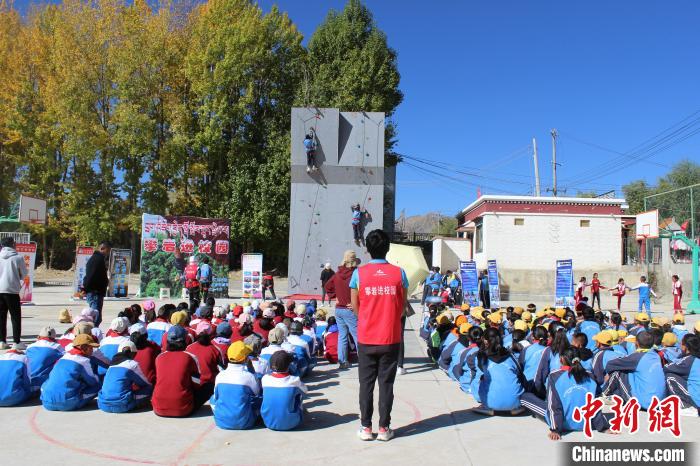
[{"x": 606, "y": 149}]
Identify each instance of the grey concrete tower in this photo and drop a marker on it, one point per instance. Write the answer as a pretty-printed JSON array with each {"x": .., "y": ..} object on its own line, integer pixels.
[{"x": 350, "y": 159}]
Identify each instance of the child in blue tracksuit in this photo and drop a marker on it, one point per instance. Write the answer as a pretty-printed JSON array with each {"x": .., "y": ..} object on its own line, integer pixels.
[
  {"x": 43, "y": 355},
  {"x": 638, "y": 375},
  {"x": 124, "y": 388},
  {"x": 236, "y": 398},
  {"x": 604, "y": 355},
  {"x": 551, "y": 357},
  {"x": 73, "y": 382},
  {"x": 282, "y": 395},
  {"x": 530, "y": 356},
  {"x": 683, "y": 376},
  {"x": 15, "y": 387},
  {"x": 302, "y": 353},
  {"x": 679, "y": 328},
  {"x": 465, "y": 370},
  {"x": 669, "y": 351},
  {"x": 567, "y": 388},
  {"x": 623, "y": 347},
  {"x": 501, "y": 382},
  {"x": 449, "y": 357},
  {"x": 644, "y": 294},
  {"x": 589, "y": 326}
]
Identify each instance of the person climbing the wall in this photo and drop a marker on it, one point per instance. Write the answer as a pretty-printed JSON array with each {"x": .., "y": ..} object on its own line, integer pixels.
[
  {"x": 357, "y": 223},
  {"x": 310, "y": 147}
]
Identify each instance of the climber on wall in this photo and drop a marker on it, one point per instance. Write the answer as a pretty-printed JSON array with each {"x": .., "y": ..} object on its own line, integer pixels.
[
  {"x": 310, "y": 147},
  {"x": 357, "y": 223}
]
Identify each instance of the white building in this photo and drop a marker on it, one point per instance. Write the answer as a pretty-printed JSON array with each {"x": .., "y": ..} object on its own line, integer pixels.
[{"x": 527, "y": 235}]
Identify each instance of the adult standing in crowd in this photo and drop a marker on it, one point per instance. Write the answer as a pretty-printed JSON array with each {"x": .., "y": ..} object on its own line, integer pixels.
[
  {"x": 95, "y": 282},
  {"x": 484, "y": 293},
  {"x": 12, "y": 272},
  {"x": 345, "y": 319},
  {"x": 378, "y": 294},
  {"x": 326, "y": 274}
]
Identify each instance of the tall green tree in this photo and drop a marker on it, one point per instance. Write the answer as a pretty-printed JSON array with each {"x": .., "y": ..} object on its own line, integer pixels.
[{"x": 351, "y": 66}]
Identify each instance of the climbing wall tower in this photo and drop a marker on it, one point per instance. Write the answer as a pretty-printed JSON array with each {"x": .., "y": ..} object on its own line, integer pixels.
[{"x": 350, "y": 159}]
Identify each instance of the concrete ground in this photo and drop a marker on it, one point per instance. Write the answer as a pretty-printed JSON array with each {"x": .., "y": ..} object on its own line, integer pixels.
[{"x": 432, "y": 418}]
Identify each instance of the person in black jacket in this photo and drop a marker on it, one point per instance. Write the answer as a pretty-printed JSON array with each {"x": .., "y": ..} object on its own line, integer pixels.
[
  {"x": 95, "y": 282},
  {"x": 326, "y": 275}
]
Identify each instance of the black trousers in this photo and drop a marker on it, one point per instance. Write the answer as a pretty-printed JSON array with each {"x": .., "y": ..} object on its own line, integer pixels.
[
  {"x": 594, "y": 295},
  {"x": 310, "y": 158},
  {"x": 202, "y": 395},
  {"x": 377, "y": 363},
  {"x": 10, "y": 302},
  {"x": 194, "y": 299},
  {"x": 271, "y": 289},
  {"x": 403, "y": 346}
]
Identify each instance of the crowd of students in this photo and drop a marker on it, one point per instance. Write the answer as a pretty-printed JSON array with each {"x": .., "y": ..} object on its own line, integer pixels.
[
  {"x": 248, "y": 361},
  {"x": 546, "y": 361}
]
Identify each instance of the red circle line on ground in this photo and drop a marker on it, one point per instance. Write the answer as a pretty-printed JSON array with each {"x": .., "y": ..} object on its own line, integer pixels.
[{"x": 84, "y": 451}]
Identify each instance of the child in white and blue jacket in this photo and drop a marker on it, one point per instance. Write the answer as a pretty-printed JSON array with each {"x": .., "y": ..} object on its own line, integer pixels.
[
  {"x": 15, "y": 387},
  {"x": 683, "y": 376},
  {"x": 282, "y": 395},
  {"x": 118, "y": 394},
  {"x": 43, "y": 355},
  {"x": 117, "y": 335},
  {"x": 236, "y": 399},
  {"x": 73, "y": 382}
]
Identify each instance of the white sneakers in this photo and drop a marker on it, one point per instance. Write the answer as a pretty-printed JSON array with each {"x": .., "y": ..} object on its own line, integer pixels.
[
  {"x": 365, "y": 433},
  {"x": 402, "y": 371},
  {"x": 385, "y": 434},
  {"x": 690, "y": 412}
]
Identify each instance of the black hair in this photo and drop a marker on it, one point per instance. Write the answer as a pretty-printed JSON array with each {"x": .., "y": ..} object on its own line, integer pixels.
[
  {"x": 377, "y": 243},
  {"x": 203, "y": 338},
  {"x": 205, "y": 260},
  {"x": 674, "y": 276},
  {"x": 657, "y": 334},
  {"x": 105, "y": 244},
  {"x": 588, "y": 313},
  {"x": 8, "y": 242},
  {"x": 581, "y": 338},
  {"x": 122, "y": 356},
  {"x": 266, "y": 323},
  {"x": 280, "y": 361},
  {"x": 560, "y": 342},
  {"x": 518, "y": 336},
  {"x": 692, "y": 344},
  {"x": 308, "y": 322},
  {"x": 492, "y": 347},
  {"x": 308, "y": 136},
  {"x": 616, "y": 321},
  {"x": 475, "y": 334},
  {"x": 540, "y": 333},
  {"x": 177, "y": 345},
  {"x": 139, "y": 339},
  {"x": 149, "y": 316},
  {"x": 331, "y": 321},
  {"x": 137, "y": 309},
  {"x": 572, "y": 357},
  {"x": 246, "y": 329},
  {"x": 645, "y": 340},
  {"x": 210, "y": 301},
  {"x": 296, "y": 328},
  {"x": 183, "y": 306}
]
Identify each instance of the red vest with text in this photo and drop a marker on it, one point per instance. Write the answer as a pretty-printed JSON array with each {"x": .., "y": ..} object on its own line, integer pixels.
[
  {"x": 191, "y": 276},
  {"x": 381, "y": 295}
]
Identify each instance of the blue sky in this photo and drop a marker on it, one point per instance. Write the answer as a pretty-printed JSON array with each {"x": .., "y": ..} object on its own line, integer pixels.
[{"x": 481, "y": 79}]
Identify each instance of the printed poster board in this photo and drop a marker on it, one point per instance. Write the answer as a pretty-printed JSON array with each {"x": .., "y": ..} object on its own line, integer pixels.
[
  {"x": 494, "y": 287},
  {"x": 28, "y": 253},
  {"x": 470, "y": 282},
  {"x": 252, "y": 268},
  {"x": 119, "y": 270},
  {"x": 564, "y": 284},
  {"x": 82, "y": 255},
  {"x": 167, "y": 243}
]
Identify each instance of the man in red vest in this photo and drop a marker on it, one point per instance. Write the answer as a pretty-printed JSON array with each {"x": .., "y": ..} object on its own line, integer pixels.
[
  {"x": 378, "y": 295},
  {"x": 192, "y": 283}
]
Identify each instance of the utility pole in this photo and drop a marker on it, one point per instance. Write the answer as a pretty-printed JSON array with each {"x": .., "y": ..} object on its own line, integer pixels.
[
  {"x": 554, "y": 161},
  {"x": 537, "y": 168}
]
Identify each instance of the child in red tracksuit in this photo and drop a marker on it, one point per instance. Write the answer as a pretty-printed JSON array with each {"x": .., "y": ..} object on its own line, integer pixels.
[
  {"x": 146, "y": 352},
  {"x": 330, "y": 341}
]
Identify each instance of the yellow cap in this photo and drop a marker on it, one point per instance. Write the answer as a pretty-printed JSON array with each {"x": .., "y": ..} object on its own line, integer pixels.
[
  {"x": 464, "y": 328},
  {"x": 442, "y": 319},
  {"x": 321, "y": 314},
  {"x": 518, "y": 311},
  {"x": 520, "y": 325},
  {"x": 697, "y": 326},
  {"x": 679, "y": 318},
  {"x": 238, "y": 351},
  {"x": 621, "y": 334},
  {"x": 669, "y": 339},
  {"x": 476, "y": 312},
  {"x": 464, "y": 307},
  {"x": 642, "y": 317},
  {"x": 495, "y": 317},
  {"x": 527, "y": 316},
  {"x": 549, "y": 311},
  {"x": 178, "y": 318},
  {"x": 604, "y": 338},
  {"x": 560, "y": 312},
  {"x": 460, "y": 320},
  {"x": 631, "y": 338},
  {"x": 546, "y": 325},
  {"x": 615, "y": 335},
  {"x": 659, "y": 321},
  {"x": 539, "y": 314}
]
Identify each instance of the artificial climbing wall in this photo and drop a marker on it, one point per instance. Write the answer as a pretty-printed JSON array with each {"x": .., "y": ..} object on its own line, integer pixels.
[{"x": 350, "y": 157}]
